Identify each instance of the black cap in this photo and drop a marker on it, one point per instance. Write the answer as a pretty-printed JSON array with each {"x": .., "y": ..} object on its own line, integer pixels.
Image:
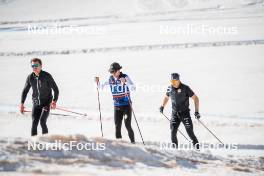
[
  {"x": 114, "y": 67},
  {"x": 175, "y": 76}
]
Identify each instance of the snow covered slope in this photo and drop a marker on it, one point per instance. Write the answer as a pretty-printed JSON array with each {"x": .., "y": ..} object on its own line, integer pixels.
[{"x": 118, "y": 158}]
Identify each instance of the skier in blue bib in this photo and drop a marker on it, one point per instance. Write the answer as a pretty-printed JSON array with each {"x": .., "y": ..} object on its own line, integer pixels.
[{"x": 120, "y": 85}]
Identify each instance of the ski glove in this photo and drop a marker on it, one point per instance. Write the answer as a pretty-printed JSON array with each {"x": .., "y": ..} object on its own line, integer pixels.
[
  {"x": 197, "y": 115},
  {"x": 161, "y": 109}
]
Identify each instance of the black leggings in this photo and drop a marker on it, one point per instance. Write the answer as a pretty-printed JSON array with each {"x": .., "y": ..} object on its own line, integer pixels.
[
  {"x": 39, "y": 113},
  {"x": 120, "y": 112},
  {"x": 185, "y": 118}
]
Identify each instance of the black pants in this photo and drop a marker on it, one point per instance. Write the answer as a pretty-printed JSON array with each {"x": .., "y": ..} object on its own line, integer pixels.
[
  {"x": 185, "y": 118},
  {"x": 39, "y": 113},
  {"x": 120, "y": 112}
]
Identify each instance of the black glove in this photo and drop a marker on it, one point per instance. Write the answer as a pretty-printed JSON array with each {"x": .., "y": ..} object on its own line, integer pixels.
[
  {"x": 161, "y": 109},
  {"x": 197, "y": 115}
]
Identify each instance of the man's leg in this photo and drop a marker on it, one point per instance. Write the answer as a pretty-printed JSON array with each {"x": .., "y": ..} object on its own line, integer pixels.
[
  {"x": 118, "y": 116},
  {"x": 174, "y": 125},
  {"x": 127, "y": 116},
  {"x": 187, "y": 121},
  {"x": 36, "y": 112},
  {"x": 43, "y": 119}
]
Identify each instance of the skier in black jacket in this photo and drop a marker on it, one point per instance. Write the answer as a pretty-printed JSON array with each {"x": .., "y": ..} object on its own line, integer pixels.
[
  {"x": 42, "y": 85},
  {"x": 180, "y": 94}
]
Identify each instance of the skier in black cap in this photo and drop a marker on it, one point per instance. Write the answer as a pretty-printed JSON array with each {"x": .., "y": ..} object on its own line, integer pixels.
[
  {"x": 120, "y": 85},
  {"x": 180, "y": 94}
]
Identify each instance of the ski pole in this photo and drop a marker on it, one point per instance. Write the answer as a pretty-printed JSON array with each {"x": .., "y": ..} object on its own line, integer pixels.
[
  {"x": 210, "y": 131},
  {"x": 52, "y": 113},
  {"x": 99, "y": 108},
  {"x": 178, "y": 129},
  {"x": 62, "y": 109},
  {"x": 130, "y": 103}
]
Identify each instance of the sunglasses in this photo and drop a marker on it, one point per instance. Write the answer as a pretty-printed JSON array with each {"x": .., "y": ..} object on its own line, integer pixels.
[{"x": 35, "y": 65}]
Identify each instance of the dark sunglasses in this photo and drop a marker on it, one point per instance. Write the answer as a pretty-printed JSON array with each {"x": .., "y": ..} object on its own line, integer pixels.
[{"x": 35, "y": 65}]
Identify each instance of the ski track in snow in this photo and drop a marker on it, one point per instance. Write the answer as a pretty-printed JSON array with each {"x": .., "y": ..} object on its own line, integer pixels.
[
  {"x": 135, "y": 48},
  {"x": 158, "y": 15},
  {"x": 16, "y": 26}
]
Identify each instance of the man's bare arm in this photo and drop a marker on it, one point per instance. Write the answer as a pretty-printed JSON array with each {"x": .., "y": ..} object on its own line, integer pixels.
[
  {"x": 196, "y": 102},
  {"x": 165, "y": 101}
]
